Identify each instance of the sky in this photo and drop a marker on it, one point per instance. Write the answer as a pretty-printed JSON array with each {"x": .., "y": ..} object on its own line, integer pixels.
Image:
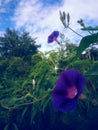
[{"x": 41, "y": 17}]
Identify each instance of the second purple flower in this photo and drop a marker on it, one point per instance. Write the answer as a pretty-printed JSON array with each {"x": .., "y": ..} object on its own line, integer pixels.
[{"x": 53, "y": 36}]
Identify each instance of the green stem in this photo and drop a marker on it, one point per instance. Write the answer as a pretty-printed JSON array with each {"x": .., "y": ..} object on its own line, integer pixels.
[
  {"x": 24, "y": 104},
  {"x": 75, "y": 32}
]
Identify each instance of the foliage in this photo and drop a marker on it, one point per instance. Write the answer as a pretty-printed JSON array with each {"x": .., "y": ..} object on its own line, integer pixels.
[
  {"x": 86, "y": 41},
  {"x": 82, "y": 65},
  {"x": 87, "y": 28},
  {"x": 26, "y": 105}
]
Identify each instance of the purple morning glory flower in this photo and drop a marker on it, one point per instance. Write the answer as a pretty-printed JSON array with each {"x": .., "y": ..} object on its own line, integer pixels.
[
  {"x": 68, "y": 89},
  {"x": 53, "y": 36}
]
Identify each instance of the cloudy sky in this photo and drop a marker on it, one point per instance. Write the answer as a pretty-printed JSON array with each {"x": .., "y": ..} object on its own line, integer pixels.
[{"x": 41, "y": 17}]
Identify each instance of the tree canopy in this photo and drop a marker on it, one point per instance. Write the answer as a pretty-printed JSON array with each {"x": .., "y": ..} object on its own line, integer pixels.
[{"x": 17, "y": 44}]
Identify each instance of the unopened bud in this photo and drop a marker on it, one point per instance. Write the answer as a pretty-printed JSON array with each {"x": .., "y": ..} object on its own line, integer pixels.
[{"x": 33, "y": 83}]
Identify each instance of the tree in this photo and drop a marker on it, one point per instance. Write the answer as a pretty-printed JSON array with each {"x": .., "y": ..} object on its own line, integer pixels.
[{"x": 17, "y": 44}]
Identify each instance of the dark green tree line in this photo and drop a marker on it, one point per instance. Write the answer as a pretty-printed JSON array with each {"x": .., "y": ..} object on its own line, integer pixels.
[{"x": 14, "y": 43}]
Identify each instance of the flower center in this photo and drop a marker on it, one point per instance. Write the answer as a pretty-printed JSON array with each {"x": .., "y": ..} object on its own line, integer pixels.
[
  {"x": 72, "y": 92},
  {"x": 55, "y": 39}
]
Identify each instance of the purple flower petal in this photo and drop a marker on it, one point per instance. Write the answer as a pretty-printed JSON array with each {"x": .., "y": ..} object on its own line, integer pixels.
[
  {"x": 63, "y": 104},
  {"x": 53, "y": 36},
  {"x": 67, "y": 79}
]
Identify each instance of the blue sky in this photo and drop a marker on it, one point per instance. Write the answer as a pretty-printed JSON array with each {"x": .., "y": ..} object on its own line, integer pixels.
[{"x": 41, "y": 17}]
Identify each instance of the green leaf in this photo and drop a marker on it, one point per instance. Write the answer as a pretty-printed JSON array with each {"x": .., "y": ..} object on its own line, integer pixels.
[
  {"x": 85, "y": 42},
  {"x": 6, "y": 127},
  {"x": 24, "y": 111},
  {"x": 11, "y": 102},
  {"x": 33, "y": 113},
  {"x": 90, "y": 28},
  {"x": 1, "y": 86},
  {"x": 8, "y": 102},
  {"x": 45, "y": 103},
  {"x": 15, "y": 126},
  {"x": 94, "y": 70}
]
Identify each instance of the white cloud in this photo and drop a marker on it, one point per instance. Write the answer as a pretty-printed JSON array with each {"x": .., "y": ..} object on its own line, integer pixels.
[
  {"x": 2, "y": 33},
  {"x": 82, "y": 8},
  {"x": 40, "y": 21}
]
